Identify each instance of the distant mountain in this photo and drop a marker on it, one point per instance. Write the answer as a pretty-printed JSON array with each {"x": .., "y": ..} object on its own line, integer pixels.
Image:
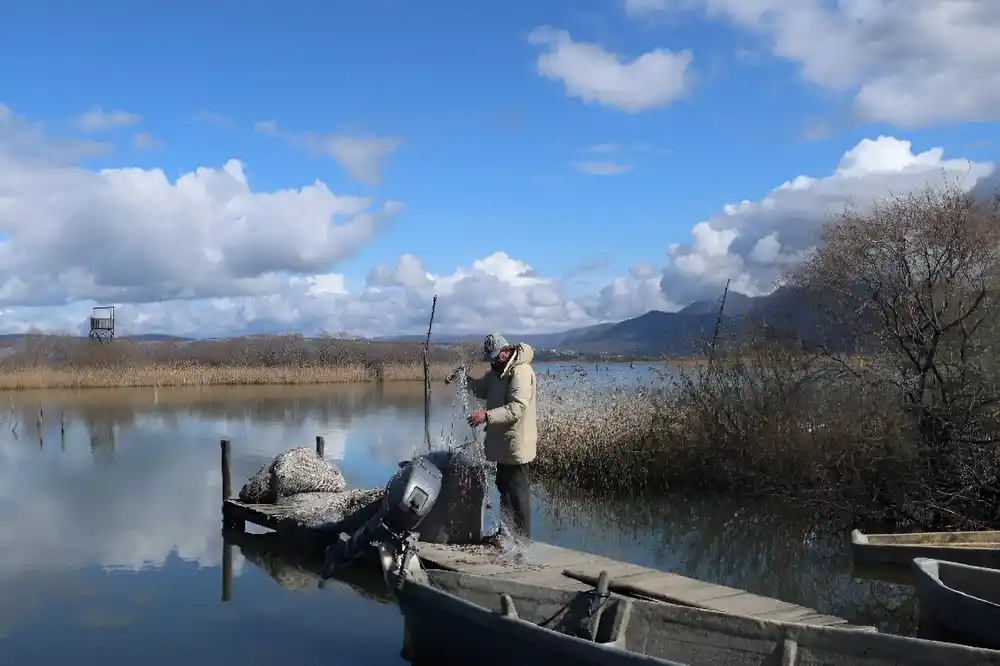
[
  {"x": 682, "y": 333},
  {"x": 686, "y": 332}
]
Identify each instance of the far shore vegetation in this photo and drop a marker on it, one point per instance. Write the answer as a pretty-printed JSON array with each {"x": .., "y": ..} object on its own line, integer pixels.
[
  {"x": 47, "y": 361},
  {"x": 40, "y": 361},
  {"x": 908, "y": 439}
]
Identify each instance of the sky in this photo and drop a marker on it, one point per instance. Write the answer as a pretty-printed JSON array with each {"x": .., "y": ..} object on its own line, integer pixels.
[{"x": 233, "y": 167}]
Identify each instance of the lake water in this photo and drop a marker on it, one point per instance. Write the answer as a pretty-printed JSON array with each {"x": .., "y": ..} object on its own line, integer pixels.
[{"x": 111, "y": 548}]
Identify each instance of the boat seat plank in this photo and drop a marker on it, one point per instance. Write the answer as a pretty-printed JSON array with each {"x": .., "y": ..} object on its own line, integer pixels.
[
  {"x": 500, "y": 570},
  {"x": 676, "y": 589},
  {"x": 590, "y": 572}
]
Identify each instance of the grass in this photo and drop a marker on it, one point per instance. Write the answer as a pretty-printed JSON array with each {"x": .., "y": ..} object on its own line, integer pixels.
[{"x": 57, "y": 362}]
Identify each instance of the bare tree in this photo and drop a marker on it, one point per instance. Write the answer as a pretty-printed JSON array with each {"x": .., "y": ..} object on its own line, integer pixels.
[{"x": 913, "y": 282}]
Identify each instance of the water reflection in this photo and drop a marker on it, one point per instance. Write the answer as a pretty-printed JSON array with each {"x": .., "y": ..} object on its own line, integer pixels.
[
  {"x": 298, "y": 570},
  {"x": 110, "y": 529},
  {"x": 759, "y": 548}
]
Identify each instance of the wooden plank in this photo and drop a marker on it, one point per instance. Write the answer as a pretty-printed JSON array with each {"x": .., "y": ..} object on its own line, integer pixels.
[
  {"x": 498, "y": 569},
  {"x": 253, "y": 513},
  {"x": 674, "y": 588},
  {"x": 554, "y": 556},
  {"x": 746, "y": 603},
  {"x": 547, "y": 578},
  {"x": 590, "y": 571}
]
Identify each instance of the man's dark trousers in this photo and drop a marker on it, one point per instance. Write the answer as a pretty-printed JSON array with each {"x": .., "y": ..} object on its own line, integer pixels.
[{"x": 514, "y": 484}]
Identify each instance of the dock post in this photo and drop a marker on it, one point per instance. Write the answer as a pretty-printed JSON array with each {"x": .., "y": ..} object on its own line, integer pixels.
[
  {"x": 227, "y": 570},
  {"x": 227, "y": 479},
  {"x": 320, "y": 446},
  {"x": 228, "y": 522}
]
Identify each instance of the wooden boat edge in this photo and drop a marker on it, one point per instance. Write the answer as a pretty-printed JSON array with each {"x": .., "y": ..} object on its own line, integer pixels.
[
  {"x": 808, "y": 636},
  {"x": 860, "y": 538},
  {"x": 928, "y": 568}
]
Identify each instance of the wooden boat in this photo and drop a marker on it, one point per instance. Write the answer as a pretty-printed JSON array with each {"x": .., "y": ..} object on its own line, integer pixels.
[
  {"x": 962, "y": 598},
  {"x": 460, "y": 618},
  {"x": 981, "y": 549}
]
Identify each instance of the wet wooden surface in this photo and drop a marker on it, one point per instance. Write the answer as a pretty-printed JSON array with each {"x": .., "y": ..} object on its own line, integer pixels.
[{"x": 553, "y": 566}]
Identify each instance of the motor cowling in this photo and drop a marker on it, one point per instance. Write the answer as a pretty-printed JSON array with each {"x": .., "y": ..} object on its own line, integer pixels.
[{"x": 410, "y": 495}]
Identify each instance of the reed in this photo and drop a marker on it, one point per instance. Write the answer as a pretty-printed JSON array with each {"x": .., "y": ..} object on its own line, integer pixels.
[
  {"x": 766, "y": 423},
  {"x": 159, "y": 374},
  {"x": 65, "y": 362}
]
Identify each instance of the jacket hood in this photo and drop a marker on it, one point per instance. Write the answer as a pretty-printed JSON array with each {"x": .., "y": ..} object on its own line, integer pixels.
[{"x": 523, "y": 355}]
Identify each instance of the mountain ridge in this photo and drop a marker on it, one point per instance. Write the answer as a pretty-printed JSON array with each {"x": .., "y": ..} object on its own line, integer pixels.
[{"x": 654, "y": 333}]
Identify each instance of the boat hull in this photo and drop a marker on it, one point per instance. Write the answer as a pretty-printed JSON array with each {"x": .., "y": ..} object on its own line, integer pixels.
[
  {"x": 664, "y": 632},
  {"x": 872, "y": 550},
  {"x": 949, "y": 596},
  {"x": 446, "y": 630}
]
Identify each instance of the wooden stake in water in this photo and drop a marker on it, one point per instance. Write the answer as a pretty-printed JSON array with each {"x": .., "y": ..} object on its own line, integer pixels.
[
  {"x": 427, "y": 377},
  {"x": 227, "y": 570},
  {"x": 227, "y": 480},
  {"x": 718, "y": 324},
  {"x": 320, "y": 447}
]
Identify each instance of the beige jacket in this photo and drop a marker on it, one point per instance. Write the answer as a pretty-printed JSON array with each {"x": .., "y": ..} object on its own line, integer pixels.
[{"x": 511, "y": 420}]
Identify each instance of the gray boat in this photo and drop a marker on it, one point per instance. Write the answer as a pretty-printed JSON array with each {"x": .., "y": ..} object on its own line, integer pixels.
[
  {"x": 962, "y": 598},
  {"x": 455, "y": 617},
  {"x": 981, "y": 549}
]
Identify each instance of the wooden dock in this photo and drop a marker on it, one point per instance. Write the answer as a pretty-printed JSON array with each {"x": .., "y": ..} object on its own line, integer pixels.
[{"x": 553, "y": 566}]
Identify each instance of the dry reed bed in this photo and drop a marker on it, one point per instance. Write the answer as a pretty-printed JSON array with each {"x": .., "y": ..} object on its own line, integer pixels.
[
  {"x": 765, "y": 423},
  {"x": 162, "y": 374},
  {"x": 602, "y": 437},
  {"x": 66, "y": 362}
]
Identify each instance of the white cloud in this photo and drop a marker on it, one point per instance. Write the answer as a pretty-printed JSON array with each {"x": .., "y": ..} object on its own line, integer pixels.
[
  {"x": 206, "y": 255},
  {"x": 752, "y": 242},
  {"x": 97, "y": 120},
  {"x": 642, "y": 270},
  {"x": 906, "y": 63},
  {"x": 266, "y": 126},
  {"x": 362, "y": 157},
  {"x": 145, "y": 141},
  {"x": 602, "y": 168},
  {"x": 132, "y": 235},
  {"x": 646, "y": 7},
  {"x": 588, "y": 72}
]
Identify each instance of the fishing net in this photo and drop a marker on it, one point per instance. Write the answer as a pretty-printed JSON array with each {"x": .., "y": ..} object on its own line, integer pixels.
[
  {"x": 291, "y": 473},
  {"x": 344, "y": 511}
]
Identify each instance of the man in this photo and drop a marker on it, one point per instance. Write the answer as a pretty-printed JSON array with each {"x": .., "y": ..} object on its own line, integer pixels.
[{"x": 511, "y": 423}]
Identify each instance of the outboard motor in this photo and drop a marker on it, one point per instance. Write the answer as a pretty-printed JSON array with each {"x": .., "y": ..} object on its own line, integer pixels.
[{"x": 409, "y": 497}]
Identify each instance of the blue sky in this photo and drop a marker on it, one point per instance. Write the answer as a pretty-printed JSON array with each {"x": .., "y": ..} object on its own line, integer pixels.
[{"x": 489, "y": 150}]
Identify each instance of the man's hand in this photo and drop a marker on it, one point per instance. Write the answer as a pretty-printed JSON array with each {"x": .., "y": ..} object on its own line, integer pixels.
[
  {"x": 477, "y": 418},
  {"x": 454, "y": 374}
]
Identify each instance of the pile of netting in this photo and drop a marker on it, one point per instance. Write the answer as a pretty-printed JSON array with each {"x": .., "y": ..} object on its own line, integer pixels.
[{"x": 311, "y": 490}]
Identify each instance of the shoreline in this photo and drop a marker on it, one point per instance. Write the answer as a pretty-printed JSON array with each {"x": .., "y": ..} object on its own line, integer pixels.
[
  {"x": 190, "y": 374},
  {"x": 150, "y": 375}
]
